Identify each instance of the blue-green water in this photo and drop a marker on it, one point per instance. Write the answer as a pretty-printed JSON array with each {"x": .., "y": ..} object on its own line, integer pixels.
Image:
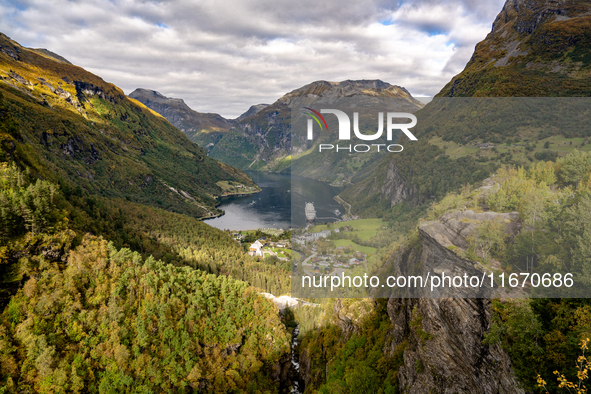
[{"x": 272, "y": 207}]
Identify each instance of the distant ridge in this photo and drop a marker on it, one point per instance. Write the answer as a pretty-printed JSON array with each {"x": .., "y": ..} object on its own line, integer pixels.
[
  {"x": 535, "y": 48},
  {"x": 177, "y": 112},
  {"x": 68, "y": 125},
  {"x": 262, "y": 141},
  {"x": 253, "y": 110}
]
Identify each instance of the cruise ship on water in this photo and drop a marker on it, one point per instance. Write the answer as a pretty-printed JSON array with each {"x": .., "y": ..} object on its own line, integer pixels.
[{"x": 310, "y": 211}]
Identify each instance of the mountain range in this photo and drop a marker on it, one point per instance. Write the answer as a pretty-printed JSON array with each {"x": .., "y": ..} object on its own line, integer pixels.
[
  {"x": 71, "y": 126},
  {"x": 95, "y": 187},
  {"x": 205, "y": 129},
  {"x": 262, "y": 138}
]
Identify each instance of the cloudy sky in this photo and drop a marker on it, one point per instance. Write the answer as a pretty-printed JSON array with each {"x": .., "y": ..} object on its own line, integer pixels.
[{"x": 225, "y": 55}]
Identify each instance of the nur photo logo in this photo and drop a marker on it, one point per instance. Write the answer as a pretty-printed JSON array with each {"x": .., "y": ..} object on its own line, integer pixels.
[{"x": 344, "y": 130}]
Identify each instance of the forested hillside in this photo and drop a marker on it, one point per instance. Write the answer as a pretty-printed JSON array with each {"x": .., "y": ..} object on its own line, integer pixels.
[
  {"x": 89, "y": 317},
  {"x": 103, "y": 286},
  {"x": 109, "y": 321},
  {"x": 535, "y": 50},
  {"x": 70, "y": 126}
]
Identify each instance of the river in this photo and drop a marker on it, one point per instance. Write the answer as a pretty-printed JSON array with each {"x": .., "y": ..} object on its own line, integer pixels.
[{"x": 280, "y": 197}]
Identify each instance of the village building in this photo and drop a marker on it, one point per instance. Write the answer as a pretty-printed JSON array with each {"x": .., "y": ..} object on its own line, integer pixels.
[
  {"x": 322, "y": 234},
  {"x": 256, "y": 249}
]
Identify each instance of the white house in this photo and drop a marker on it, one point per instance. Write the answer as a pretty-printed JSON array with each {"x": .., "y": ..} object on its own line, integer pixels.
[
  {"x": 257, "y": 248},
  {"x": 320, "y": 234}
]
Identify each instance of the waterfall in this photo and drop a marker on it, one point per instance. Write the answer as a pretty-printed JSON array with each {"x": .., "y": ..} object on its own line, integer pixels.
[{"x": 295, "y": 365}]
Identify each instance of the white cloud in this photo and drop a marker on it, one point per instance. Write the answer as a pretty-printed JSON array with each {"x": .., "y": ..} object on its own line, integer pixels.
[{"x": 225, "y": 55}]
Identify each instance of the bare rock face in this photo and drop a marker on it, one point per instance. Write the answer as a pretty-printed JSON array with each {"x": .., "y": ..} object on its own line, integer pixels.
[
  {"x": 453, "y": 228},
  {"x": 305, "y": 373},
  {"x": 395, "y": 188},
  {"x": 443, "y": 337},
  {"x": 445, "y": 353}
]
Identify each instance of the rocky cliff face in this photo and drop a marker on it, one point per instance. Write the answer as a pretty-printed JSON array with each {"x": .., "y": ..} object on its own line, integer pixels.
[
  {"x": 445, "y": 353},
  {"x": 394, "y": 189},
  {"x": 441, "y": 335},
  {"x": 535, "y": 48},
  {"x": 208, "y": 126},
  {"x": 263, "y": 141},
  {"x": 445, "y": 241},
  {"x": 444, "y": 335},
  {"x": 386, "y": 183}
]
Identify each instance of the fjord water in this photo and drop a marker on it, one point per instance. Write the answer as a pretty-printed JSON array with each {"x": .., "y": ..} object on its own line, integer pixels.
[{"x": 272, "y": 207}]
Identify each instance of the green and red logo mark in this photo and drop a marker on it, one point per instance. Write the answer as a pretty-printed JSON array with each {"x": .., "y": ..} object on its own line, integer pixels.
[{"x": 315, "y": 115}]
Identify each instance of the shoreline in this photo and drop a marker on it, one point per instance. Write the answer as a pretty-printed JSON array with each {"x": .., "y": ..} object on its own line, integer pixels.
[
  {"x": 269, "y": 180},
  {"x": 238, "y": 194}
]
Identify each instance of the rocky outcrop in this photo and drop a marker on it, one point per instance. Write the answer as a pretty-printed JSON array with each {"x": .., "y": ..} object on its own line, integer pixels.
[
  {"x": 443, "y": 337},
  {"x": 444, "y": 350},
  {"x": 305, "y": 374},
  {"x": 455, "y": 227},
  {"x": 395, "y": 189},
  {"x": 84, "y": 90}
]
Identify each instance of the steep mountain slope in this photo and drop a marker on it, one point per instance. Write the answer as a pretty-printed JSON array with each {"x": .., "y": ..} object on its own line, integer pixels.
[
  {"x": 71, "y": 126},
  {"x": 264, "y": 141},
  {"x": 79, "y": 165},
  {"x": 535, "y": 48},
  {"x": 205, "y": 129},
  {"x": 253, "y": 110}
]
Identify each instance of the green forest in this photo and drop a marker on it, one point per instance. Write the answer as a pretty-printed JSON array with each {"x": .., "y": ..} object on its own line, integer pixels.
[
  {"x": 91, "y": 317},
  {"x": 345, "y": 341},
  {"x": 105, "y": 286},
  {"x": 111, "y": 283}
]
